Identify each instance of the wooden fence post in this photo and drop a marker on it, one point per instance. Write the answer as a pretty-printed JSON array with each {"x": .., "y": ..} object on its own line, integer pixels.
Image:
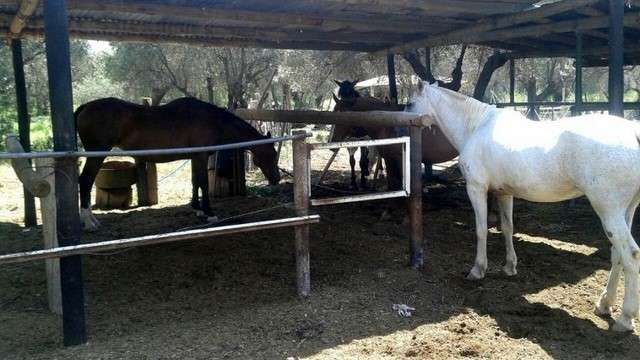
[
  {"x": 44, "y": 170},
  {"x": 301, "y": 193},
  {"x": 147, "y": 184},
  {"x": 416, "y": 250}
]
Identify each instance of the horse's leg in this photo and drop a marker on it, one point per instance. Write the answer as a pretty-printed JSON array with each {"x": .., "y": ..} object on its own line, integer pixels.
[
  {"x": 364, "y": 166},
  {"x": 86, "y": 179},
  {"x": 608, "y": 296},
  {"x": 202, "y": 179},
  {"x": 428, "y": 170},
  {"x": 505, "y": 203},
  {"x": 617, "y": 230},
  {"x": 195, "y": 198},
  {"x": 478, "y": 196},
  {"x": 352, "y": 162}
]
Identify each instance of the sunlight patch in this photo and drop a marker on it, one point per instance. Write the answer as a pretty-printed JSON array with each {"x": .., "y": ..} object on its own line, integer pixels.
[{"x": 557, "y": 244}]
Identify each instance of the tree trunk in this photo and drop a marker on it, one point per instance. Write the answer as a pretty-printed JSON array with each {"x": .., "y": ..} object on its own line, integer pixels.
[
  {"x": 532, "y": 96},
  {"x": 210, "y": 89},
  {"x": 494, "y": 62}
]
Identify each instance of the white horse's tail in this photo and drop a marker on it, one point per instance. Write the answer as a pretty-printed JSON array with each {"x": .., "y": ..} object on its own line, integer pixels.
[{"x": 635, "y": 250}]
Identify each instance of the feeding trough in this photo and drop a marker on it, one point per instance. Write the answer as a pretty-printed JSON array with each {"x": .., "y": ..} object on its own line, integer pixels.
[{"x": 113, "y": 184}]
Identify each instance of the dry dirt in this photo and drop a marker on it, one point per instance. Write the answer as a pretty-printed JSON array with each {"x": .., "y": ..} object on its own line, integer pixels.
[{"x": 234, "y": 297}]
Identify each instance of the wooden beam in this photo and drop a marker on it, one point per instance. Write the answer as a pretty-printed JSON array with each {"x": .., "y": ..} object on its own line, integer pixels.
[
  {"x": 216, "y": 42},
  {"x": 350, "y": 118},
  {"x": 183, "y": 10},
  {"x": 66, "y": 170},
  {"x": 25, "y": 10},
  {"x": 199, "y": 234},
  {"x": 458, "y": 7},
  {"x": 616, "y": 57},
  {"x": 89, "y": 25},
  {"x": 487, "y": 25}
]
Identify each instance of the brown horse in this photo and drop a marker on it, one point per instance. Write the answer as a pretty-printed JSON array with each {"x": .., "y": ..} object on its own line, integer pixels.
[
  {"x": 437, "y": 147},
  {"x": 187, "y": 122}
]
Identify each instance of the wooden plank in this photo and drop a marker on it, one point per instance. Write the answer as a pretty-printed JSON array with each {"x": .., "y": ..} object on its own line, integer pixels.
[
  {"x": 64, "y": 252},
  {"x": 64, "y": 138},
  {"x": 488, "y": 25},
  {"x": 458, "y": 7},
  {"x": 391, "y": 73},
  {"x": 44, "y": 168},
  {"x": 359, "y": 198}
]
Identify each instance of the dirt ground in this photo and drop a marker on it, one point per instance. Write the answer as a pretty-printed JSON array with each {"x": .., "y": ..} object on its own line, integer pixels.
[{"x": 234, "y": 297}]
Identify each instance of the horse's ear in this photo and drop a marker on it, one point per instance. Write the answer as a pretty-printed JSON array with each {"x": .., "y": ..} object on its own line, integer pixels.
[
  {"x": 337, "y": 82},
  {"x": 268, "y": 134},
  {"x": 435, "y": 84},
  {"x": 335, "y": 98}
]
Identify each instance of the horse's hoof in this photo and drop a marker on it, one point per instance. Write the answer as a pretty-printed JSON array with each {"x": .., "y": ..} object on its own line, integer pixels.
[
  {"x": 622, "y": 325},
  {"x": 474, "y": 275},
  {"x": 510, "y": 270},
  {"x": 602, "y": 310}
]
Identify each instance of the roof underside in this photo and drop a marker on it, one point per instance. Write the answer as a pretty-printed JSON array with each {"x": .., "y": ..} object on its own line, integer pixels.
[{"x": 357, "y": 25}]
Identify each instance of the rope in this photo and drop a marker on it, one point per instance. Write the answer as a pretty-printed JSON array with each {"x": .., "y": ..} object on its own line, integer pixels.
[
  {"x": 174, "y": 171},
  {"x": 207, "y": 225}
]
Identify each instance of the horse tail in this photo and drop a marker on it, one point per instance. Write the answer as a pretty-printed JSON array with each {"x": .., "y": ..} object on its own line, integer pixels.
[{"x": 77, "y": 113}]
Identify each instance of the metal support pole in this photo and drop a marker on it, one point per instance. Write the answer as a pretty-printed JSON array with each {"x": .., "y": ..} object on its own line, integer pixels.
[
  {"x": 616, "y": 57},
  {"x": 416, "y": 250},
  {"x": 56, "y": 31},
  {"x": 391, "y": 70},
  {"x": 301, "y": 193},
  {"x": 577, "y": 107},
  {"x": 30, "y": 218},
  {"x": 512, "y": 81}
]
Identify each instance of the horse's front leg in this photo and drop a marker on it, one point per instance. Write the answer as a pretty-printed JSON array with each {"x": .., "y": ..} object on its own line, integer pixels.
[
  {"x": 86, "y": 180},
  {"x": 364, "y": 166},
  {"x": 505, "y": 203},
  {"x": 478, "y": 196},
  {"x": 352, "y": 162}
]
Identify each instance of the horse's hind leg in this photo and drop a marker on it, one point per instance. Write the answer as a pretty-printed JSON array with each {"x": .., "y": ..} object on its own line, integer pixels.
[
  {"x": 195, "y": 198},
  {"x": 505, "y": 202},
  {"x": 364, "y": 166},
  {"x": 201, "y": 176},
  {"x": 608, "y": 296},
  {"x": 617, "y": 230},
  {"x": 86, "y": 179}
]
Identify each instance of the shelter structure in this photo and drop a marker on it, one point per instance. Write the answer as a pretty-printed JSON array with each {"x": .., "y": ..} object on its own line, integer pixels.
[{"x": 596, "y": 32}]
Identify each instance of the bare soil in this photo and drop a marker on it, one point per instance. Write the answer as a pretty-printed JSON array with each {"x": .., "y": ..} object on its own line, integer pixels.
[{"x": 234, "y": 297}]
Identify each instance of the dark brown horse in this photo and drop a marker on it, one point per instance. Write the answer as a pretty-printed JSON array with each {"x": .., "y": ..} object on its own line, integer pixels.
[
  {"x": 437, "y": 147},
  {"x": 187, "y": 122}
]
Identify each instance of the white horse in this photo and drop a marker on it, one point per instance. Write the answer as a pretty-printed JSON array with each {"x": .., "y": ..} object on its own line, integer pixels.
[{"x": 503, "y": 152}]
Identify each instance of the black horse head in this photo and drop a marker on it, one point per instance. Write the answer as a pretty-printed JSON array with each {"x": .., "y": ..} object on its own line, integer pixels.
[{"x": 347, "y": 89}]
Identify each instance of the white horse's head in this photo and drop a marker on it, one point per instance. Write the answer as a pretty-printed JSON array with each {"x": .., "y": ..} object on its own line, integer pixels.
[{"x": 420, "y": 102}]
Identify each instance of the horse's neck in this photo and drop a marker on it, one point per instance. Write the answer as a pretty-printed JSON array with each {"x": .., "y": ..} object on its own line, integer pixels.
[
  {"x": 459, "y": 117},
  {"x": 238, "y": 132}
]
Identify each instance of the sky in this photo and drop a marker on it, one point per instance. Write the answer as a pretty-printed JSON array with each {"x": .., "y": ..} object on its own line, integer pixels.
[{"x": 99, "y": 46}]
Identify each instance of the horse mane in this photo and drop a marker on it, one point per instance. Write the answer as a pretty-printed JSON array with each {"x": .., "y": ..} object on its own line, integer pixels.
[{"x": 470, "y": 107}]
